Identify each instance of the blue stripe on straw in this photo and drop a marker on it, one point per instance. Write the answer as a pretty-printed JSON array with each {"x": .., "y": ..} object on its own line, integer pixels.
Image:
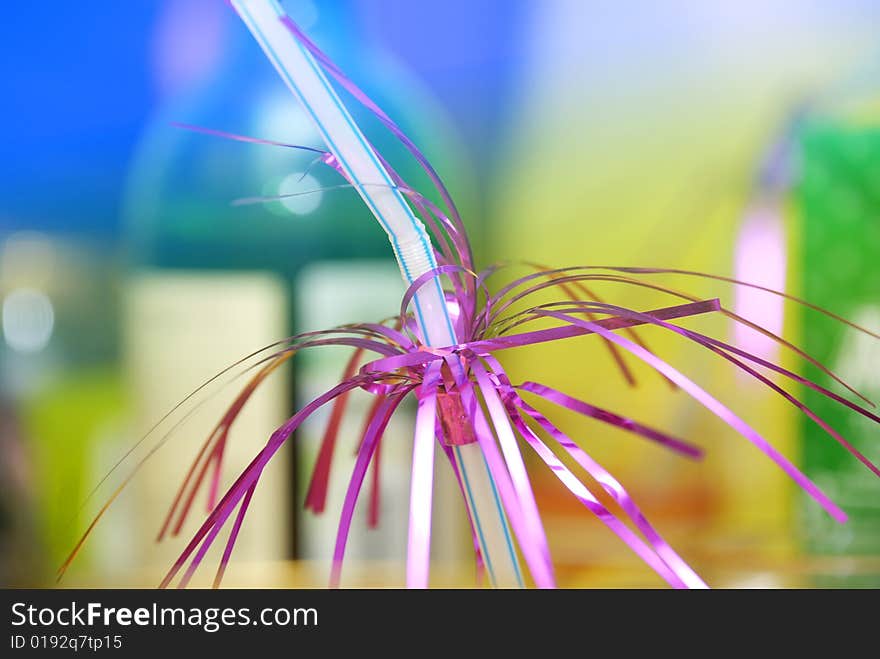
[
  {"x": 397, "y": 195},
  {"x": 467, "y": 486},
  {"x": 394, "y": 241},
  {"x": 503, "y": 524},
  {"x": 406, "y": 209}
]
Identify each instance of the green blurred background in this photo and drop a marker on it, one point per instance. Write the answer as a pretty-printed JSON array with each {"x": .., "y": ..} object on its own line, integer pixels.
[{"x": 735, "y": 138}]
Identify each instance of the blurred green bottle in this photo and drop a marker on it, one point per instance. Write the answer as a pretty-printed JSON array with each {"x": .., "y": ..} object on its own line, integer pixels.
[{"x": 840, "y": 200}]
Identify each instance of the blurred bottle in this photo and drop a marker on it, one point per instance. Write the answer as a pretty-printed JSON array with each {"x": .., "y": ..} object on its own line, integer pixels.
[
  {"x": 758, "y": 518},
  {"x": 841, "y": 250},
  {"x": 203, "y": 267}
]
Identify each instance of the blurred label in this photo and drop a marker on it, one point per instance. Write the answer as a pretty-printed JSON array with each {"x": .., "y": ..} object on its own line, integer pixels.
[{"x": 182, "y": 328}]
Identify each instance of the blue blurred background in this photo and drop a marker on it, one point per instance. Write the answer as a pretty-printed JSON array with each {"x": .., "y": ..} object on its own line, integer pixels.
[
  {"x": 82, "y": 80},
  {"x": 735, "y": 138}
]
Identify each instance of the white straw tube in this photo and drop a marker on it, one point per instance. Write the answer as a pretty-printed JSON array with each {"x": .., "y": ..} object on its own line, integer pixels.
[{"x": 411, "y": 244}]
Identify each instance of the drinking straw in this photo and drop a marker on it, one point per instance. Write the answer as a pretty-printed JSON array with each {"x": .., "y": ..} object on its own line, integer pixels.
[{"x": 412, "y": 249}]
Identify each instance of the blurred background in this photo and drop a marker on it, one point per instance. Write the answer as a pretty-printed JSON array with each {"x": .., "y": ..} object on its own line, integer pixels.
[{"x": 736, "y": 138}]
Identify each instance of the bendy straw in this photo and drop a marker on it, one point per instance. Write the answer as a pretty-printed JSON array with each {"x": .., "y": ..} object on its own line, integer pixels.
[
  {"x": 447, "y": 353},
  {"x": 415, "y": 256}
]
